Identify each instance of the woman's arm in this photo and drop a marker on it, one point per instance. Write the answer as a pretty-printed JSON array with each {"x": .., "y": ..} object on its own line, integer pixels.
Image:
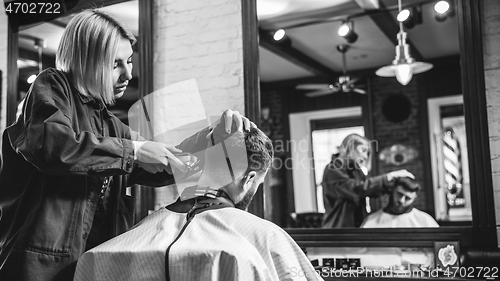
[
  {"x": 338, "y": 184},
  {"x": 375, "y": 186},
  {"x": 195, "y": 145},
  {"x": 378, "y": 185}
]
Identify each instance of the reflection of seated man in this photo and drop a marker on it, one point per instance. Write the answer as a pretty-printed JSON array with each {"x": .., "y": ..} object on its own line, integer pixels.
[
  {"x": 400, "y": 211},
  {"x": 208, "y": 237}
]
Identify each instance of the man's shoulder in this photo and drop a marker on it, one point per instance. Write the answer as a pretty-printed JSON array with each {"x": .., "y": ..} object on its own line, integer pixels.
[
  {"x": 244, "y": 219},
  {"x": 425, "y": 219},
  {"x": 373, "y": 219},
  {"x": 249, "y": 217},
  {"x": 421, "y": 213},
  {"x": 377, "y": 213}
]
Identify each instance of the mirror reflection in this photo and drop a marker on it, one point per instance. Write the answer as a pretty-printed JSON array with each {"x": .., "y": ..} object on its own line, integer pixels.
[
  {"x": 38, "y": 45},
  {"x": 408, "y": 166}
]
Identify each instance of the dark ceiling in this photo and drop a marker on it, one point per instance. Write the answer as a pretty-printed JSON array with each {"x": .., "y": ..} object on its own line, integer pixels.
[
  {"x": 312, "y": 53},
  {"x": 312, "y": 26}
]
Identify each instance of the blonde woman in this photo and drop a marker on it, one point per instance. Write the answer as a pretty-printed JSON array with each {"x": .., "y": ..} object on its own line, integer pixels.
[
  {"x": 346, "y": 183},
  {"x": 67, "y": 160}
]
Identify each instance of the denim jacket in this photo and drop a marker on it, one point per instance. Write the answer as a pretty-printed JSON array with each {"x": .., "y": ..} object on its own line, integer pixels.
[{"x": 55, "y": 159}]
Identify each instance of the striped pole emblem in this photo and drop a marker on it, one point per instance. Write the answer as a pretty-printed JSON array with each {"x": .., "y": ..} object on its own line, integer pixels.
[
  {"x": 452, "y": 164},
  {"x": 452, "y": 159}
]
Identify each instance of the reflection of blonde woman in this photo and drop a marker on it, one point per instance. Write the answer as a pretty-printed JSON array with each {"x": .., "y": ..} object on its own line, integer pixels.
[
  {"x": 346, "y": 184},
  {"x": 67, "y": 160}
]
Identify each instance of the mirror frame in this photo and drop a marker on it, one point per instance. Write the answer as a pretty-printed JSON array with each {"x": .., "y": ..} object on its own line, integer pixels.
[{"x": 482, "y": 233}]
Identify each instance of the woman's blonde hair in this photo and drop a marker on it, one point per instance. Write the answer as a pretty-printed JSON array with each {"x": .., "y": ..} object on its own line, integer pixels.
[
  {"x": 347, "y": 149},
  {"x": 87, "y": 51}
]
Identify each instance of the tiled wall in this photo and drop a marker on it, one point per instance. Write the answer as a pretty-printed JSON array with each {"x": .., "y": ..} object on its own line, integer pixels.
[{"x": 491, "y": 49}]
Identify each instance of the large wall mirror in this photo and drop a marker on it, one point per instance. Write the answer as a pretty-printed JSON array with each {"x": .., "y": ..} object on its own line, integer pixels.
[
  {"x": 317, "y": 87},
  {"x": 306, "y": 117}
]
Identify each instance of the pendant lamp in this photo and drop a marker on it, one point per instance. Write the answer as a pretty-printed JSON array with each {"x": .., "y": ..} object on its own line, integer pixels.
[{"x": 404, "y": 65}]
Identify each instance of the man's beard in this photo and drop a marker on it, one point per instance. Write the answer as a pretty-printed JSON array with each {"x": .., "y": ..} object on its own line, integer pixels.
[
  {"x": 247, "y": 198},
  {"x": 397, "y": 210}
]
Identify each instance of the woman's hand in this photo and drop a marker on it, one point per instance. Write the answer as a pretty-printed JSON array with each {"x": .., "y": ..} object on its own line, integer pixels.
[
  {"x": 228, "y": 117},
  {"x": 399, "y": 174},
  {"x": 155, "y": 157}
]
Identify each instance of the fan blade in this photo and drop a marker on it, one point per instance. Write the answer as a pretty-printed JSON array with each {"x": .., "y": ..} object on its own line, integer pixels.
[
  {"x": 318, "y": 93},
  {"x": 352, "y": 81},
  {"x": 313, "y": 86},
  {"x": 359, "y": 91}
]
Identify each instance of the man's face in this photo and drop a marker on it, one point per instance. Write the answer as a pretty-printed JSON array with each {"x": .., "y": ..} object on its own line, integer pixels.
[{"x": 402, "y": 200}]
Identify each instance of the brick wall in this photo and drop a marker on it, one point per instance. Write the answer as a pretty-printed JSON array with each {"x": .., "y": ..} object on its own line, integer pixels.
[
  {"x": 407, "y": 132},
  {"x": 201, "y": 39},
  {"x": 3, "y": 68},
  {"x": 491, "y": 49},
  {"x": 279, "y": 198}
]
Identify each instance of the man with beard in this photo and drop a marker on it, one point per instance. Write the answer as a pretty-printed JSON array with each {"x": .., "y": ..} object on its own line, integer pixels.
[
  {"x": 207, "y": 233},
  {"x": 400, "y": 211}
]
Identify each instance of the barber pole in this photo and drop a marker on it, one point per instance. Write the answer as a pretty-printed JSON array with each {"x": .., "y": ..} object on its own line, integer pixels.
[{"x": 452, "y": 166}]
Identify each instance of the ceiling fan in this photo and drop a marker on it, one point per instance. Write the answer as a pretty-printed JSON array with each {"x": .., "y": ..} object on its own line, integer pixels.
[{"x": 344, "y": 85}]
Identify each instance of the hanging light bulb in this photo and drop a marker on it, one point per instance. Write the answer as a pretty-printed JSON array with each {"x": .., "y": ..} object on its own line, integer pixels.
[
  {"x": 403, "y": 66},
  {"x": 403, "y": 73}
]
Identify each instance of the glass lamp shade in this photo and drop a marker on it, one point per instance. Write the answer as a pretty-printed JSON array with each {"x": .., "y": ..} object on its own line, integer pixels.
[{"x": 403, "y": 71}]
